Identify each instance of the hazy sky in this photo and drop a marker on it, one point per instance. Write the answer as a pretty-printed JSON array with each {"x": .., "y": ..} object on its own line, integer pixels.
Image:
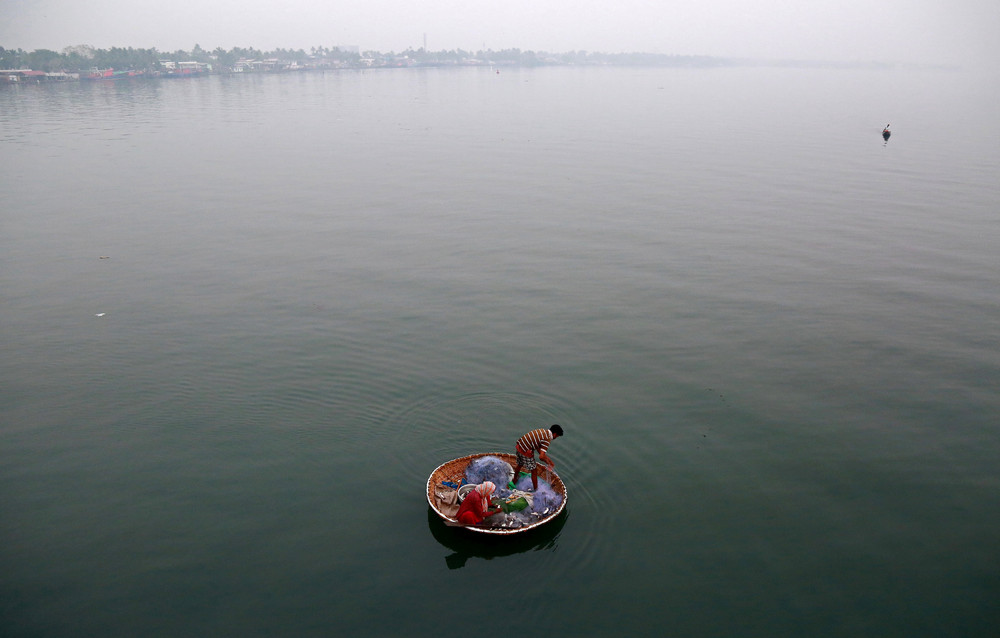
[{"x": 954, "y": 31}]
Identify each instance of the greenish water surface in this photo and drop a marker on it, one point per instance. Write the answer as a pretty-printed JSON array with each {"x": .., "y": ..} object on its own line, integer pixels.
[{"x": 243, "y": 318}]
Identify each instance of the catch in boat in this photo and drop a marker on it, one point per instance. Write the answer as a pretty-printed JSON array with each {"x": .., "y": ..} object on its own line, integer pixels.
[{"x": 523, "y": 509}]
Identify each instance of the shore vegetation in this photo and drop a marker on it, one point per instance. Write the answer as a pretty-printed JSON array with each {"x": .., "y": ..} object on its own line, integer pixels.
[{"x": 84, "y": 57}]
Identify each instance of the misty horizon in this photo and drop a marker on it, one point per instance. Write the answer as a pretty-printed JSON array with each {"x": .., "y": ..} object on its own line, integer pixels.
[
  {"x": 848, "y": 31},
  {"x": 197, "y": 51}
]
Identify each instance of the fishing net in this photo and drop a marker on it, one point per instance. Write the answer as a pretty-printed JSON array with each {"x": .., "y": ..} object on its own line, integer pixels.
[
  {"x": 545, "y": 498},
  {"x": 489, "y": 468}
]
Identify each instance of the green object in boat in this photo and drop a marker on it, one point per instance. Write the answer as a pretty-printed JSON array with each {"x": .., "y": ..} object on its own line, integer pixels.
[{"x": 516, "y": 505}]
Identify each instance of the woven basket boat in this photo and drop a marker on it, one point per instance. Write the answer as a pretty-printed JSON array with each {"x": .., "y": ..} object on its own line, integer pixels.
[{"x": 454, "y": 471}]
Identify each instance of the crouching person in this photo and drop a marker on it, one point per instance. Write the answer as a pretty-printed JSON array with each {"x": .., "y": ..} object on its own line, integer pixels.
[{"x": 476, "y": 506}]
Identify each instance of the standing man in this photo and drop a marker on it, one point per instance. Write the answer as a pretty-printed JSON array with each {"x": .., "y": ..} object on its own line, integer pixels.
[{"x": 527, "y": 445}]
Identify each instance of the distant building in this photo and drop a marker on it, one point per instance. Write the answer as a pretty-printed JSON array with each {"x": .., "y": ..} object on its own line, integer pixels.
[
  {"x": 199, "y": 67},
  {"x": 27, "y": 75}
]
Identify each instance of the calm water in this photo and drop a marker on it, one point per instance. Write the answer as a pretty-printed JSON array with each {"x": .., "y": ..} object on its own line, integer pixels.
[{"x": 773, "y": 340}]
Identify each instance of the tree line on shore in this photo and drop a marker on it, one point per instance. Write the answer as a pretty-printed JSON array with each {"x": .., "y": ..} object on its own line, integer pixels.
[{"x": 84, "y": 57}]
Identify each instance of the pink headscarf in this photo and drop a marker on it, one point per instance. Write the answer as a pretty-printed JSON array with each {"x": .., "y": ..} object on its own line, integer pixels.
[{"x": 485, "y": 489}]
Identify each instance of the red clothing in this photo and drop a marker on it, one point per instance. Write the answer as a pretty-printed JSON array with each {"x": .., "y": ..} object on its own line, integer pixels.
[
  {"x": 471, "y": 511},
  {"x": 534, "y": 440}
]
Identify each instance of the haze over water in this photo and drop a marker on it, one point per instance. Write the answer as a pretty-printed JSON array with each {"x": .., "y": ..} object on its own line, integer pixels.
[{"x": 243, "y": 318}]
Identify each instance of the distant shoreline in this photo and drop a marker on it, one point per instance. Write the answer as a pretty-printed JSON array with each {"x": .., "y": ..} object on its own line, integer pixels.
[{"x": 87, "y": 63}]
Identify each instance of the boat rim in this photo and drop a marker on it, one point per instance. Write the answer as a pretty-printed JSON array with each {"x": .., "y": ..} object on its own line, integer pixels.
[{"x": 556, "y": 482}]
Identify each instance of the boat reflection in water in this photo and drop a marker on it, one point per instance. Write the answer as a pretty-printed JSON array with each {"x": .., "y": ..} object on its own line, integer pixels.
[{"x": 465, "y": 546}]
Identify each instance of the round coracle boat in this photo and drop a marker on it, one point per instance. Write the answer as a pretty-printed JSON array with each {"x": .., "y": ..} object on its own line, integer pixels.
[{"x": 442, "y": 492}]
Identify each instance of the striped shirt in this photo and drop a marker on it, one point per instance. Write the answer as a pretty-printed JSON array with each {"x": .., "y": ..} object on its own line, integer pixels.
[{"x": 534, "y": 440}]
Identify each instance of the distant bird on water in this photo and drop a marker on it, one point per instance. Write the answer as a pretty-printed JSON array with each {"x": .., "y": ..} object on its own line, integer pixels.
[{"x": 886, "y": 133}]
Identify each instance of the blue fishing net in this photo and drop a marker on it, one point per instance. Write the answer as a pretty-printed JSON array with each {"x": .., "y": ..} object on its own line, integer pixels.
[
  {"x": 546, "y": 499},
  {"x": 523, "y": 482},
  {"x": 544, "y": 502},
  {"x": 489, "y": 468}
]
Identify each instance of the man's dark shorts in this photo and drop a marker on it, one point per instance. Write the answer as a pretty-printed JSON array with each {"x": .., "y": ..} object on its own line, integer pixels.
[{"x": 528, "y": 463}]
